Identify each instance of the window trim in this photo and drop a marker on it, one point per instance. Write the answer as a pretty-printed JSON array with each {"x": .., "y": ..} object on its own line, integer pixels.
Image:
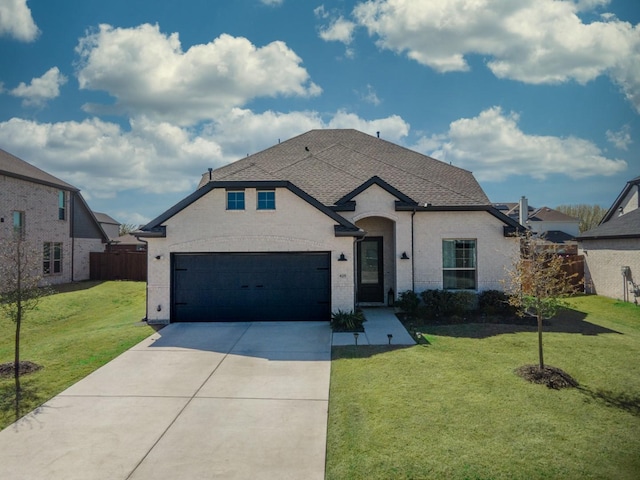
[
  {"x": 473, "y": 269},
  {"x": 49, "y": 263},
  {"x": 235, "y": 201},
  {"x": 62, "y": 205},
  {"x": 265, "y": 202},
  {"x": 20, "y": 229}
]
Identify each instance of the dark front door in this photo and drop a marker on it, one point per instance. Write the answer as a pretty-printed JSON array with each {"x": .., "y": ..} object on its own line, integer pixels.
[{"x": 370, "y": 270}]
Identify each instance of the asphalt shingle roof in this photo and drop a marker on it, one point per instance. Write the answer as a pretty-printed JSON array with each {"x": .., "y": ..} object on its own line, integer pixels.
[
  {"x": 627, "y": 225},
  {"x": 329, "y": 164},
  {"x": 12, "y": 166}
]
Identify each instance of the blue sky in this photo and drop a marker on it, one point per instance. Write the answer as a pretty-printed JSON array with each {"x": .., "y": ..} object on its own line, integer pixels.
[{"x": 131, "y": 101}]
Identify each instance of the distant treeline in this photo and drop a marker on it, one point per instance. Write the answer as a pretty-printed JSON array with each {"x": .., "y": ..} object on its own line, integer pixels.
[{"x": 589, "y": 215}]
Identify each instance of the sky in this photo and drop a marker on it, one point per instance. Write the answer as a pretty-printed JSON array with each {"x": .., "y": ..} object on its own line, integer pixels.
[{"x": 131, "y": 101}]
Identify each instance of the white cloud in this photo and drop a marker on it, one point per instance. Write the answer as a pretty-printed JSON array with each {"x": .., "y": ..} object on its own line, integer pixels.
[
  {"x": 620, "y": 139},
  {"x": 369, "y": 95},
  {"x": 40, "y": 89},
  {"x": 148, "y": 73},
  {"x": 494, "y": 148},
  {"x": 272, "y": 3},
  {"x": 339, "y": 30},
  {"x": 102, "y": 159},
  {"x": 533, "y": 41},
  {"x": 16, "y": 21}
]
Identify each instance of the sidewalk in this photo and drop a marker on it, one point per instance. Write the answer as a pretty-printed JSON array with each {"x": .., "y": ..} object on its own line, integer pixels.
[{"x": 380, "y": 323}]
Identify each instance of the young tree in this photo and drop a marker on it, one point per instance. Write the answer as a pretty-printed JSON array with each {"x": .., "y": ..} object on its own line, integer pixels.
[
  {"x": 538, "y": 284},
  {"x": 19, "y": 289}
]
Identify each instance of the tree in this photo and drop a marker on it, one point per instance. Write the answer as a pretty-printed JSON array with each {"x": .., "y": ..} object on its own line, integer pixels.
[
  {"x": 20, "y": 292},
  {"x": 538, "y": 284},
  {"x": 589, "y": 215},
  {"x": 126, "y": 228}
]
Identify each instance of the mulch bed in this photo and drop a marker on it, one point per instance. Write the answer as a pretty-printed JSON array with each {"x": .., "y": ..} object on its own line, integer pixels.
[
  {"x": 26, "y": 367},
  {"x": 550, "y": 376}
]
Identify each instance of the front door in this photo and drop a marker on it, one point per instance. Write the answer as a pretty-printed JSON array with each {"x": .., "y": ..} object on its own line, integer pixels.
[{"x": 370, "y": 270}]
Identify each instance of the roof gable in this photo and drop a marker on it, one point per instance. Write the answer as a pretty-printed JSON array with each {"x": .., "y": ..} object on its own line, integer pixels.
[{"x": 12, "y": 166}]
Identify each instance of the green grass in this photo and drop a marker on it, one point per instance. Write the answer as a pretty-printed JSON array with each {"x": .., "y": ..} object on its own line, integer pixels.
[
  {"x": 71, "y": 334},
  {"x": 454, "y": 408}
]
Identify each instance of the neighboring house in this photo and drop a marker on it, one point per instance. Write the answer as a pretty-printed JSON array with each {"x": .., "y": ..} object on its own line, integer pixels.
[
  {"x": 52, "y": 217},
  {"x": 126, "y": 243},
  {"x": 612, "y": 249},
  {"x": 325, "y": 221},
  {"x": 557, "y": 229},
  {"x": 110, "y": 226}
]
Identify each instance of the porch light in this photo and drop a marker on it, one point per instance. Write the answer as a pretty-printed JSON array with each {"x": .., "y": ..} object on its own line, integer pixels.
[
  {"x": 404, "y": 256},
  {"x": 158, "y": 257},
  {"x": 342, "y": 258}
]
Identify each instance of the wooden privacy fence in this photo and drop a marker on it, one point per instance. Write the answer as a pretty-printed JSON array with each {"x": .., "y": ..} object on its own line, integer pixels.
[
  {"x": 118, "y": 266},
  {"x": 574, "y": 265}
]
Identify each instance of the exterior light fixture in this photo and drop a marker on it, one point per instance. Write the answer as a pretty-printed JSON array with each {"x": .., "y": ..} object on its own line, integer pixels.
[
  {"x": 404, "y": 256},
  {"x": 159, "y": 308},
  {"x": 158, "y": 257},
  {"x": 342, "y": 258}
]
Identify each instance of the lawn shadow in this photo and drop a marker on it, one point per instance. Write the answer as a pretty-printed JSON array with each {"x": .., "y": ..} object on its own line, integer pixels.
[
  {"x": 626, "y": 402},
  {"x": 29, "y": 396},
  {"x": 363, "y": 351},
  {"x": 75, "y": 286},
  {"x": 567, "y": 321}
]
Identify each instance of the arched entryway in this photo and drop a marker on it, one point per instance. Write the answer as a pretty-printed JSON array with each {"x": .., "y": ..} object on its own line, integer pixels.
[{"x": 375, "y": 261}]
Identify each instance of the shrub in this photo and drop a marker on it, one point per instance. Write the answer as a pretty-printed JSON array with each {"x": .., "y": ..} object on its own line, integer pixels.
[
  {"x": 464, "y": 302},
  {"x": 342, "y": 321},
  {"x": 494, "y": 302},
  {"x": 438, "y": 303},
  {"x": 408, "y": 302}
]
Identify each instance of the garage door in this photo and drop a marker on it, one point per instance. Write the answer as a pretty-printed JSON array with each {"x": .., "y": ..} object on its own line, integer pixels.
[{"x": 228, "y": 287}]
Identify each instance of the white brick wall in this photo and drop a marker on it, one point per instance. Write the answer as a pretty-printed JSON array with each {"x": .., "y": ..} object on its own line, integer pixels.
[
  {"x": 40, "y": 205},
  {"x": 603, "y": 262},
  {"x": 206, "y": 226}
]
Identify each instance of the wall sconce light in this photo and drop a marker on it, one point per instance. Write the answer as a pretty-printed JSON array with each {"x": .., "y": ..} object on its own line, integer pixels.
[
  {"x": 404, "y": 256},
  {"x": 158, "y": 257},
  {"x": 342, "y": 258},
  {"x": 159, "y": 308}
]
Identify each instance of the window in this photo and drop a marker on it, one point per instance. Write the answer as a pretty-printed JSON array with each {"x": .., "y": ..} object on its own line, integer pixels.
[
  {"x": 52, "y": 258},
  {"x": 235, "y": 200},
  {"x": 61, "y": 205},
  {"x": 18, "y": 223},
  {"x": 266, "y": 200},
  {"x": 459, "y": 264}
]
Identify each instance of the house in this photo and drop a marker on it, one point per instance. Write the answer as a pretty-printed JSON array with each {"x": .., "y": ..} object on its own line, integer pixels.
[
  {"x": 51, "y": 216},
  {"x": 325, "y": 221},
  {"x": 612, "y": 249},
  {"x": 110, "y": 225},
  {"x": 126, "y": 243},
  {"x": 558, "y": 230}
]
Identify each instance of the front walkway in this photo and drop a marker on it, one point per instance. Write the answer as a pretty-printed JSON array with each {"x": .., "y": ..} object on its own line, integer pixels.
[{"x": 380, "y": 323}]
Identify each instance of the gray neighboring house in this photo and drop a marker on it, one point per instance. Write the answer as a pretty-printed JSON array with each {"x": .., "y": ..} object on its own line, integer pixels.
[
  {"x": 110, "y": 225},
  {"x": 52, "y": 217},
  {"x": 612, "y": 249},
  {"x": 325, "y": 221}
]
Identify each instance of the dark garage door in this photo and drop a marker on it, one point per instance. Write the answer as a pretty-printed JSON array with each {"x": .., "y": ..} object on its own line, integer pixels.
[{"x": 228, "y": 287}]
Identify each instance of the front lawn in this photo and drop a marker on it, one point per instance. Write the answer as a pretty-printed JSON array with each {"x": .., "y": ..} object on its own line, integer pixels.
[
  {"x": 454, "y": 408},
  {"x": 71, "y": 334}
]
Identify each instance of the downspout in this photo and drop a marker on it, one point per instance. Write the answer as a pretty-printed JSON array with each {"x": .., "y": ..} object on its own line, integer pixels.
[
  {"x": 71, "y": 232},
  {"x": 146, "y": 307},
  {"x": 413, "y": 257}
]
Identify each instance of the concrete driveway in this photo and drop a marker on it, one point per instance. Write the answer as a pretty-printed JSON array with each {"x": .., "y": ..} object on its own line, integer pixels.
[{"x": 193, "y": 401}]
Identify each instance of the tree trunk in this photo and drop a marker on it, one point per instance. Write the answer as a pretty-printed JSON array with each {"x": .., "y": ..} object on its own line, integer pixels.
[
  {"x": 16, "y": 363},
  {"x": 540, "y": 355}
]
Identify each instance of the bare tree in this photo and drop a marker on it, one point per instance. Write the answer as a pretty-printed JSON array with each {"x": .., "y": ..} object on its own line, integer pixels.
[
  {"x": 589, "y": 215},
  {"x": 126, "y": 228},
  {"x": 20, "y": 292},
  {"x": 538, "y": 285}
]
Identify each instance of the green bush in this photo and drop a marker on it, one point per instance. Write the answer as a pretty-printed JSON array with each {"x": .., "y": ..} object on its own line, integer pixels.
[
  {"x": 342, "y": 321},
  {"x": 464, "y": 302},
  {"x": 438, "y": 303},
  {"x": 494, "y": 302},
  {"x": 408, "y": 302}
]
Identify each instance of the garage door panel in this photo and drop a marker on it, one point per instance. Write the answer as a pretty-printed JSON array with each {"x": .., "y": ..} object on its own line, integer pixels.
[{"x": 236, "y": 287}]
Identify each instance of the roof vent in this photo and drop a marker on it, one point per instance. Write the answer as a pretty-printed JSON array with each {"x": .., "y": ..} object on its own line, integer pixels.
[
  {"x": 306, "y": 148},
  {"x": 378, "y": 134}
]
